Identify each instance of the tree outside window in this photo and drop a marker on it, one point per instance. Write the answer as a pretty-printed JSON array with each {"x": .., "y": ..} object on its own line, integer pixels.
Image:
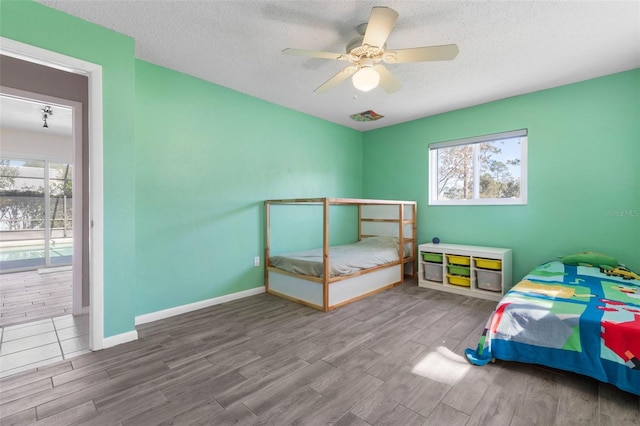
[{"x": 485, "y": 170}]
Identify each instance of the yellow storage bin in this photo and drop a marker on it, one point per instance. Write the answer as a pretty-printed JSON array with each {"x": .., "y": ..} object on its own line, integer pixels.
[
  {"x": 488, "y": 264},
  {"x": 459, "y": 260},
  {"x": 458, "y": 280}
]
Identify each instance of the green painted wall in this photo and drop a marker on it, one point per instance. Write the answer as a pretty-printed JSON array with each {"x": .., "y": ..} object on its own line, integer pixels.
[
  {"x": 206, "y": 158},
  {"x": 183, "y": 205},
  {"x": 43, "y": 27},
  {"x": 584, "y": 172}
]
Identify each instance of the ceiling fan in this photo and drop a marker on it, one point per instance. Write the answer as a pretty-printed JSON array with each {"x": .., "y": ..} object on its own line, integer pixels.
[{"x": 366, "y": 52}]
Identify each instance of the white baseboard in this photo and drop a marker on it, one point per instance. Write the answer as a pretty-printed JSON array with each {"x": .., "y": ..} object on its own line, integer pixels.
[
  {"x": 119, "y": 339},
  {"x": 166, "y": 313}
]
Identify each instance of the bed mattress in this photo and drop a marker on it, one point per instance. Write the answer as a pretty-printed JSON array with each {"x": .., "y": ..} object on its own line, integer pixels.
[{"x": 344, "y": 259}]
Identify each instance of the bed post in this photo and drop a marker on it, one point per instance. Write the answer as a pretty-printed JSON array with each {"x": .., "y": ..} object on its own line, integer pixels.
[
  {"x": 414, "y": 238},
  {"x": 401, "y": 240},
  {"x": 267, "y": 242},
  {"x": 325, "y": 256},
  {"x": 359, "y": 222},
  {"x": 414, "y": 233}
]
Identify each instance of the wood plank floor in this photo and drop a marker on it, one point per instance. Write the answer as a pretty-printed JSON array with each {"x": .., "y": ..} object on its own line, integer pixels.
[
  {"x": 391, "y": 359},
  {"x": 31, "y": 295}
]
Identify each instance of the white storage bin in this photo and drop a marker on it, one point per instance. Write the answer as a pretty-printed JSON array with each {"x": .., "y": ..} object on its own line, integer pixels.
[
  {"x": 433, "y": 272},
  {"x": 489, "y": 280}
]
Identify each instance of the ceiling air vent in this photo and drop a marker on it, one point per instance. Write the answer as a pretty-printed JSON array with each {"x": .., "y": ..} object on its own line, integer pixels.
[{"x": 369, "y": 115}]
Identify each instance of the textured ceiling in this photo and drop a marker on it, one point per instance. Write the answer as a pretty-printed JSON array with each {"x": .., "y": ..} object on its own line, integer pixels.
[{"x": 507, "y": 48}]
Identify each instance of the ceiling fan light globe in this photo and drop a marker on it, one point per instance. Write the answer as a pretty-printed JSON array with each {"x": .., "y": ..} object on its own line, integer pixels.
[{"x": 366, "y": 79}]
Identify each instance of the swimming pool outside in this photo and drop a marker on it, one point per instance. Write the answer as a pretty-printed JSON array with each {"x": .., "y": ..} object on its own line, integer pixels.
[
  {"x": 24, "y": 255},
  {"x": 33, "y": 252}
]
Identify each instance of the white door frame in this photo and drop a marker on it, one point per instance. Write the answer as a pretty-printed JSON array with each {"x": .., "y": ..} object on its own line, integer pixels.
[{"x": 51, "y": 59}]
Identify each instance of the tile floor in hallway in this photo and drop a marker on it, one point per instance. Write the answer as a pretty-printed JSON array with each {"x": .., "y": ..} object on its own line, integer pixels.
[{"x": 29, "y": 345}]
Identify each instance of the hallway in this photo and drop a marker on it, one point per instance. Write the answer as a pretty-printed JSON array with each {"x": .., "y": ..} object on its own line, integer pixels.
[{"x": 36, "y": 325}]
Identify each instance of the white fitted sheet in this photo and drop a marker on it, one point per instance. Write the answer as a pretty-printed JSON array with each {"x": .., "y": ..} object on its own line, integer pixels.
[{"x": 344, "y": 259}]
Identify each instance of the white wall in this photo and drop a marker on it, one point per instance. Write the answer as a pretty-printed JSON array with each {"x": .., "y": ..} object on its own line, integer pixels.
[{"x": 21, "y": 144}]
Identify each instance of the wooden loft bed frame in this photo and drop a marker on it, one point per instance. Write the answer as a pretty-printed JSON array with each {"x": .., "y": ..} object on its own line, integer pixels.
[{"x": 375, "y": 218}]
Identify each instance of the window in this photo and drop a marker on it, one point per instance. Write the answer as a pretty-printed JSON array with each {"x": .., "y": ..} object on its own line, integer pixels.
[{"x": 489, "y": 169}]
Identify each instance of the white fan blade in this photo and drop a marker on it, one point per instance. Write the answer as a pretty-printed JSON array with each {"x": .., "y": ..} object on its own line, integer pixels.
[
  {"x": 445, "y": 52},
  {"x": 342, "y": 75},
  {"x": 387, "y": 81},
  {"x": 379, "y": 27},
  {"x": 315, "y": 54}
]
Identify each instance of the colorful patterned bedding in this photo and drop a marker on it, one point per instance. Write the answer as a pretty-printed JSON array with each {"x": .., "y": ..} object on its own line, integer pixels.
[{"x": 574, "y": 318}]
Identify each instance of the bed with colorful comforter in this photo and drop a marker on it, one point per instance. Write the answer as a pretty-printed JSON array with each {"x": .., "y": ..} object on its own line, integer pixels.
[{"x": 574, "y": 318}]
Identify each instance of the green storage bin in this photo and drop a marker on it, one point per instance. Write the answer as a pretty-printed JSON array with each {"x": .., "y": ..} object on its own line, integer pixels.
[
  {"x": 432, "y": 257},
  {"x": 465, "y": 271}
]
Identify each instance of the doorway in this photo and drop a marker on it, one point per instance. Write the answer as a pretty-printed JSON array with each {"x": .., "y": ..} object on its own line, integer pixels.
[
  {"x": 41, "y": 247},
  {"x": 37, "y": 177},
  {"x": 93, "y": 256}
]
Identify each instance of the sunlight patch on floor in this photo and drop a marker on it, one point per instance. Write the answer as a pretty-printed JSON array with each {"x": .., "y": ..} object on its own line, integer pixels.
[{"x": 443, "y": 366}]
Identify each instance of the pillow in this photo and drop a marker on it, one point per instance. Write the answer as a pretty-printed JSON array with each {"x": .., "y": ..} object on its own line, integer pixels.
[{"x": 589, "y": 258}]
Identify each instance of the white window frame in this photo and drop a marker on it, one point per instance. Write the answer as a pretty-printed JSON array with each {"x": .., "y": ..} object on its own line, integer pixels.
[{"x": 476, "y": 200}]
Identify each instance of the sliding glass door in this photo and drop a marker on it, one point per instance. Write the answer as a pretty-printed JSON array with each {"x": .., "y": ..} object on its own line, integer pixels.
[{"x": 35, "y": 214}]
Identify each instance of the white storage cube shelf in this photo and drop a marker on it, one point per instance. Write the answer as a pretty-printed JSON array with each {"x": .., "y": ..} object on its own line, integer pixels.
[{"x": 487, "y": 282}]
